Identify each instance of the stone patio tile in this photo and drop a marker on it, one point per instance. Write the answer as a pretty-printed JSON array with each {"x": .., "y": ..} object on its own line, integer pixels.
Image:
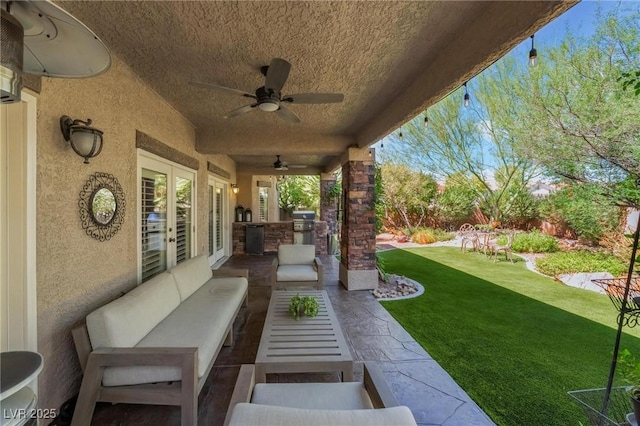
[
  {"x": 431, "y": 374},
  {"x": 428, "y": 404},
  {"x": 468, "y": 415},
  {"x": 375, "y": 342},
  {"x": 404, "y": 354}
]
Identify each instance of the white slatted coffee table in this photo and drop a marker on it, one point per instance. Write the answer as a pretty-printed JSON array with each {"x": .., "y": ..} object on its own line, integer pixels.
[{"x": 307, "y": 345}]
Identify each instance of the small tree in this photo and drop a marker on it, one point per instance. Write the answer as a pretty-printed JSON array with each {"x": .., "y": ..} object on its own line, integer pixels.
[{"x": 296, "y": 192}]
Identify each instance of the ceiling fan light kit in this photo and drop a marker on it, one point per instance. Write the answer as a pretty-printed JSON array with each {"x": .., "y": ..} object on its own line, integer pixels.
[{"x": 268, "y": 98}]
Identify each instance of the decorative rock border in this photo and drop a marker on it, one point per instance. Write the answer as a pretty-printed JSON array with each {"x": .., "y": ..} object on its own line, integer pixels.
[{"x": 402, "y": 281}]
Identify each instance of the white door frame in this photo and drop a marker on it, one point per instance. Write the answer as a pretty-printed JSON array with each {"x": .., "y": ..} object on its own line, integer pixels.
[
  {"x": 172, "y": 170},
  {"x": 27, "y": 321},
  {"x": 226, "y": 212}
]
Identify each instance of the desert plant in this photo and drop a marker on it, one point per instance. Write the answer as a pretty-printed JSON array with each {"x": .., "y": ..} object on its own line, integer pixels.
[{"x": 430, "y": 235}]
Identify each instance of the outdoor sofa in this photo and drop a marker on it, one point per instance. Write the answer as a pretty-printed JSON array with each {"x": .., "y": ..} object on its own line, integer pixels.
[{"x": 157, "y": 343}]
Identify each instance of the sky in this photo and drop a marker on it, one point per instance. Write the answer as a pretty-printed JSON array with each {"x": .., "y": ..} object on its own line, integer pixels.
[{"x": 580, "y": 21}]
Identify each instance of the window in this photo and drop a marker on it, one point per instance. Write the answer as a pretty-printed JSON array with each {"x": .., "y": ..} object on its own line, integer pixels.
[{"x": 264, "y": 205}]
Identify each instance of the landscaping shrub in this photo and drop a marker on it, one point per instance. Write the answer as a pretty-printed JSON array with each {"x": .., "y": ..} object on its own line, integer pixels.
[
  {"x": 429, "y": 235},
  {"x": 532, "y": 242},
  {"x": 580, "y": 261}
]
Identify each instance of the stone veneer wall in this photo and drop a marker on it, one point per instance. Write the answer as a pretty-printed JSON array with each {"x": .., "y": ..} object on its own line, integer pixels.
[
  {"x": 328, "y": 207},
  {"x": 276, "y": 233},
  {"x": 358, "y": 242},
  {"x": 75, "y": 273}
]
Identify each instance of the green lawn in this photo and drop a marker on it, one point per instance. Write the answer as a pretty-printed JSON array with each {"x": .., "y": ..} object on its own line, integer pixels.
[{"x": 514, "y": 340}]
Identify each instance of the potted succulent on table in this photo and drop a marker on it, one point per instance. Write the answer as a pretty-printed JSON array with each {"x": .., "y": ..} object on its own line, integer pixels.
[
  {"x": 307, "y": 305},
  {"x": 630, "y": 373}
]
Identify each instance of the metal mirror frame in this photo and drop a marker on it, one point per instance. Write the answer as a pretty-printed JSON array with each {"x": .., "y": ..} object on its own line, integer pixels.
[{"x": 93, "y": 228}]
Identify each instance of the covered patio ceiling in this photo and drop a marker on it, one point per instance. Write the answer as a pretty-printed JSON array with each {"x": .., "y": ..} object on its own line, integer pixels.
[{"x": 390, "y": 59}]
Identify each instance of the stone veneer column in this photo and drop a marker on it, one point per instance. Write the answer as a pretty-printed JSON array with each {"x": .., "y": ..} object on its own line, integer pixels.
[
  {"x": 358, "y": 246},
  {"x": 328, "y": 205}
]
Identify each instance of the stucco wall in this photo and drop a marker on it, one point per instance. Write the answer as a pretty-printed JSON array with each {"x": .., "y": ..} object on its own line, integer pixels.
[{"x": 75, "y": 273}]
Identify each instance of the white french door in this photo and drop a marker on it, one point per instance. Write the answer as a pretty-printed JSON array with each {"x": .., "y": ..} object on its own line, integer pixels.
[
  {"x": 218, "y": 228},
  {"x": 166, "y": 215}
]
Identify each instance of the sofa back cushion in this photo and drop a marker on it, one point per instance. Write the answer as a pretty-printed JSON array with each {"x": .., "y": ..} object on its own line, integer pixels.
[
  {"x": 125, "y": 321},
  {"x": 191, "y": 274},
  {"x": 296, "y": 254}
]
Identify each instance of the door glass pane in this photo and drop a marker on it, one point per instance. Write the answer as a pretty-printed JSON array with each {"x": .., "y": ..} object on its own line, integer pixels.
[
  {"x": 211, "y": 221},
  {"x": 219, "y": 211},
  {"x": 183, "y": 219},
  {"x": 154, "y": 223}
]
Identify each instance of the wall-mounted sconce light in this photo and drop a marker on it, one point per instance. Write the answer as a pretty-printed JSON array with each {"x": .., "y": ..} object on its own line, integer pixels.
[
  {"x": 426, "y": 119},
  {"x": 235, "y": 188},
  {"x": 86, "y": 141},
  {"x": 533, "y": 54}
]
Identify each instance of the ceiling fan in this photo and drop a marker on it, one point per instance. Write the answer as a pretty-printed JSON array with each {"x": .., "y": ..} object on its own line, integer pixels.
[
  {"x": 268, "y": 97},
  {"x": 283, "y": 166}
]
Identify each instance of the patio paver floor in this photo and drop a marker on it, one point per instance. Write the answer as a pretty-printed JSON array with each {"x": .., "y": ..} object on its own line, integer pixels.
[{"x": 372, "y": 334}]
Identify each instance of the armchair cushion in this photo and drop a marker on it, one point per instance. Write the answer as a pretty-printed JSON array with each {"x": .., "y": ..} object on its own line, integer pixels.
[
  {"x": 296, "y": 254},
  {"x": 247, "y": 414},
  {"x": 296, "y": 273},
  {"x": 318, "y": 396}
]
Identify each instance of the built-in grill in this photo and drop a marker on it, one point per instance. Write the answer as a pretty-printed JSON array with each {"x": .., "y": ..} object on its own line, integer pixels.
[{"x": 304, "y": 227}]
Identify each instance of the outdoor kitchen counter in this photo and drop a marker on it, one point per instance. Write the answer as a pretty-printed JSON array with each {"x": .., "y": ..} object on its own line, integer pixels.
[{"x": 276, "y": 233}]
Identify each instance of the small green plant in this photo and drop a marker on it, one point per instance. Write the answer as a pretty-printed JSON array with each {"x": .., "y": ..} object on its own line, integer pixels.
[
  {"x": 532, "y": 242},
  {"x": 579, "y": 261},
  {"x": 305, "y": 304},
  {"x": 334, "y": 190},
  {"x": 629, "y": 370}
]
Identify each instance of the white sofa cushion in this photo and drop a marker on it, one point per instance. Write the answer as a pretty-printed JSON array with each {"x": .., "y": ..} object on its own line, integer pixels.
[
  {"x": 296, "y": 254},
  {"x": 125, "y": 321},
  {"x": 246, "y": 414},
  {"x": 200, "y": 321},
  {"x": 296, "y": 273},
  {"x": 191, "y": 274},
  {"x": 317, "y": 396}
]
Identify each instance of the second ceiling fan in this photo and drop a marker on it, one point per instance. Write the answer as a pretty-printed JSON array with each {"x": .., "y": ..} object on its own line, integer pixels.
[{"x": 269, "y": 98}]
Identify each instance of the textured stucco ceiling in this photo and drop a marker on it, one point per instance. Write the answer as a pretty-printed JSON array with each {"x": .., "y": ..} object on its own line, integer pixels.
[{"x": 391, "y": 59}]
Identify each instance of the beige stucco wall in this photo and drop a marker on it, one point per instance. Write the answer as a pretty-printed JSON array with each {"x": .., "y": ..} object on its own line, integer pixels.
[{"x": 76, "y": 273}]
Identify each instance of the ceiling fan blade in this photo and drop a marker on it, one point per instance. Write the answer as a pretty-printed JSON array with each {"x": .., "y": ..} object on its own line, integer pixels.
[
  {"x": 222, "y": 88},
  {"x": 297, "y": 166},
  {"x": 314, "y": 98},
  {"x": 277, "y": 74},
  {"x": 240, "y": 110},
  {"x": 287, "y": 115}
]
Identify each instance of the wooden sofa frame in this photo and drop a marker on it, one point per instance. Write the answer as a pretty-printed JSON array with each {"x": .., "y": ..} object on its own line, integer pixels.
[
  {"x": 373, "y": 382},
  {"x": 183, "y": 393},
  {"x": 319, "y": 284}
]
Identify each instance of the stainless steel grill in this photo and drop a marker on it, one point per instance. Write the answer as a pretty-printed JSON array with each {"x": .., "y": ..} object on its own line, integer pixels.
[{"x": 304, "y": 227}]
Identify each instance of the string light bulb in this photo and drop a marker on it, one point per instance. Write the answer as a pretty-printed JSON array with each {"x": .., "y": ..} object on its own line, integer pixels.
[
  {"x": 533, "y": 54},
  {"x": 467, "y": 99}
]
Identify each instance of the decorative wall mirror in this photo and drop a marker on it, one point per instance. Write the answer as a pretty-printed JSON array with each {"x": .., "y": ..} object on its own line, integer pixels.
[{"x": 102, "y": 206}]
